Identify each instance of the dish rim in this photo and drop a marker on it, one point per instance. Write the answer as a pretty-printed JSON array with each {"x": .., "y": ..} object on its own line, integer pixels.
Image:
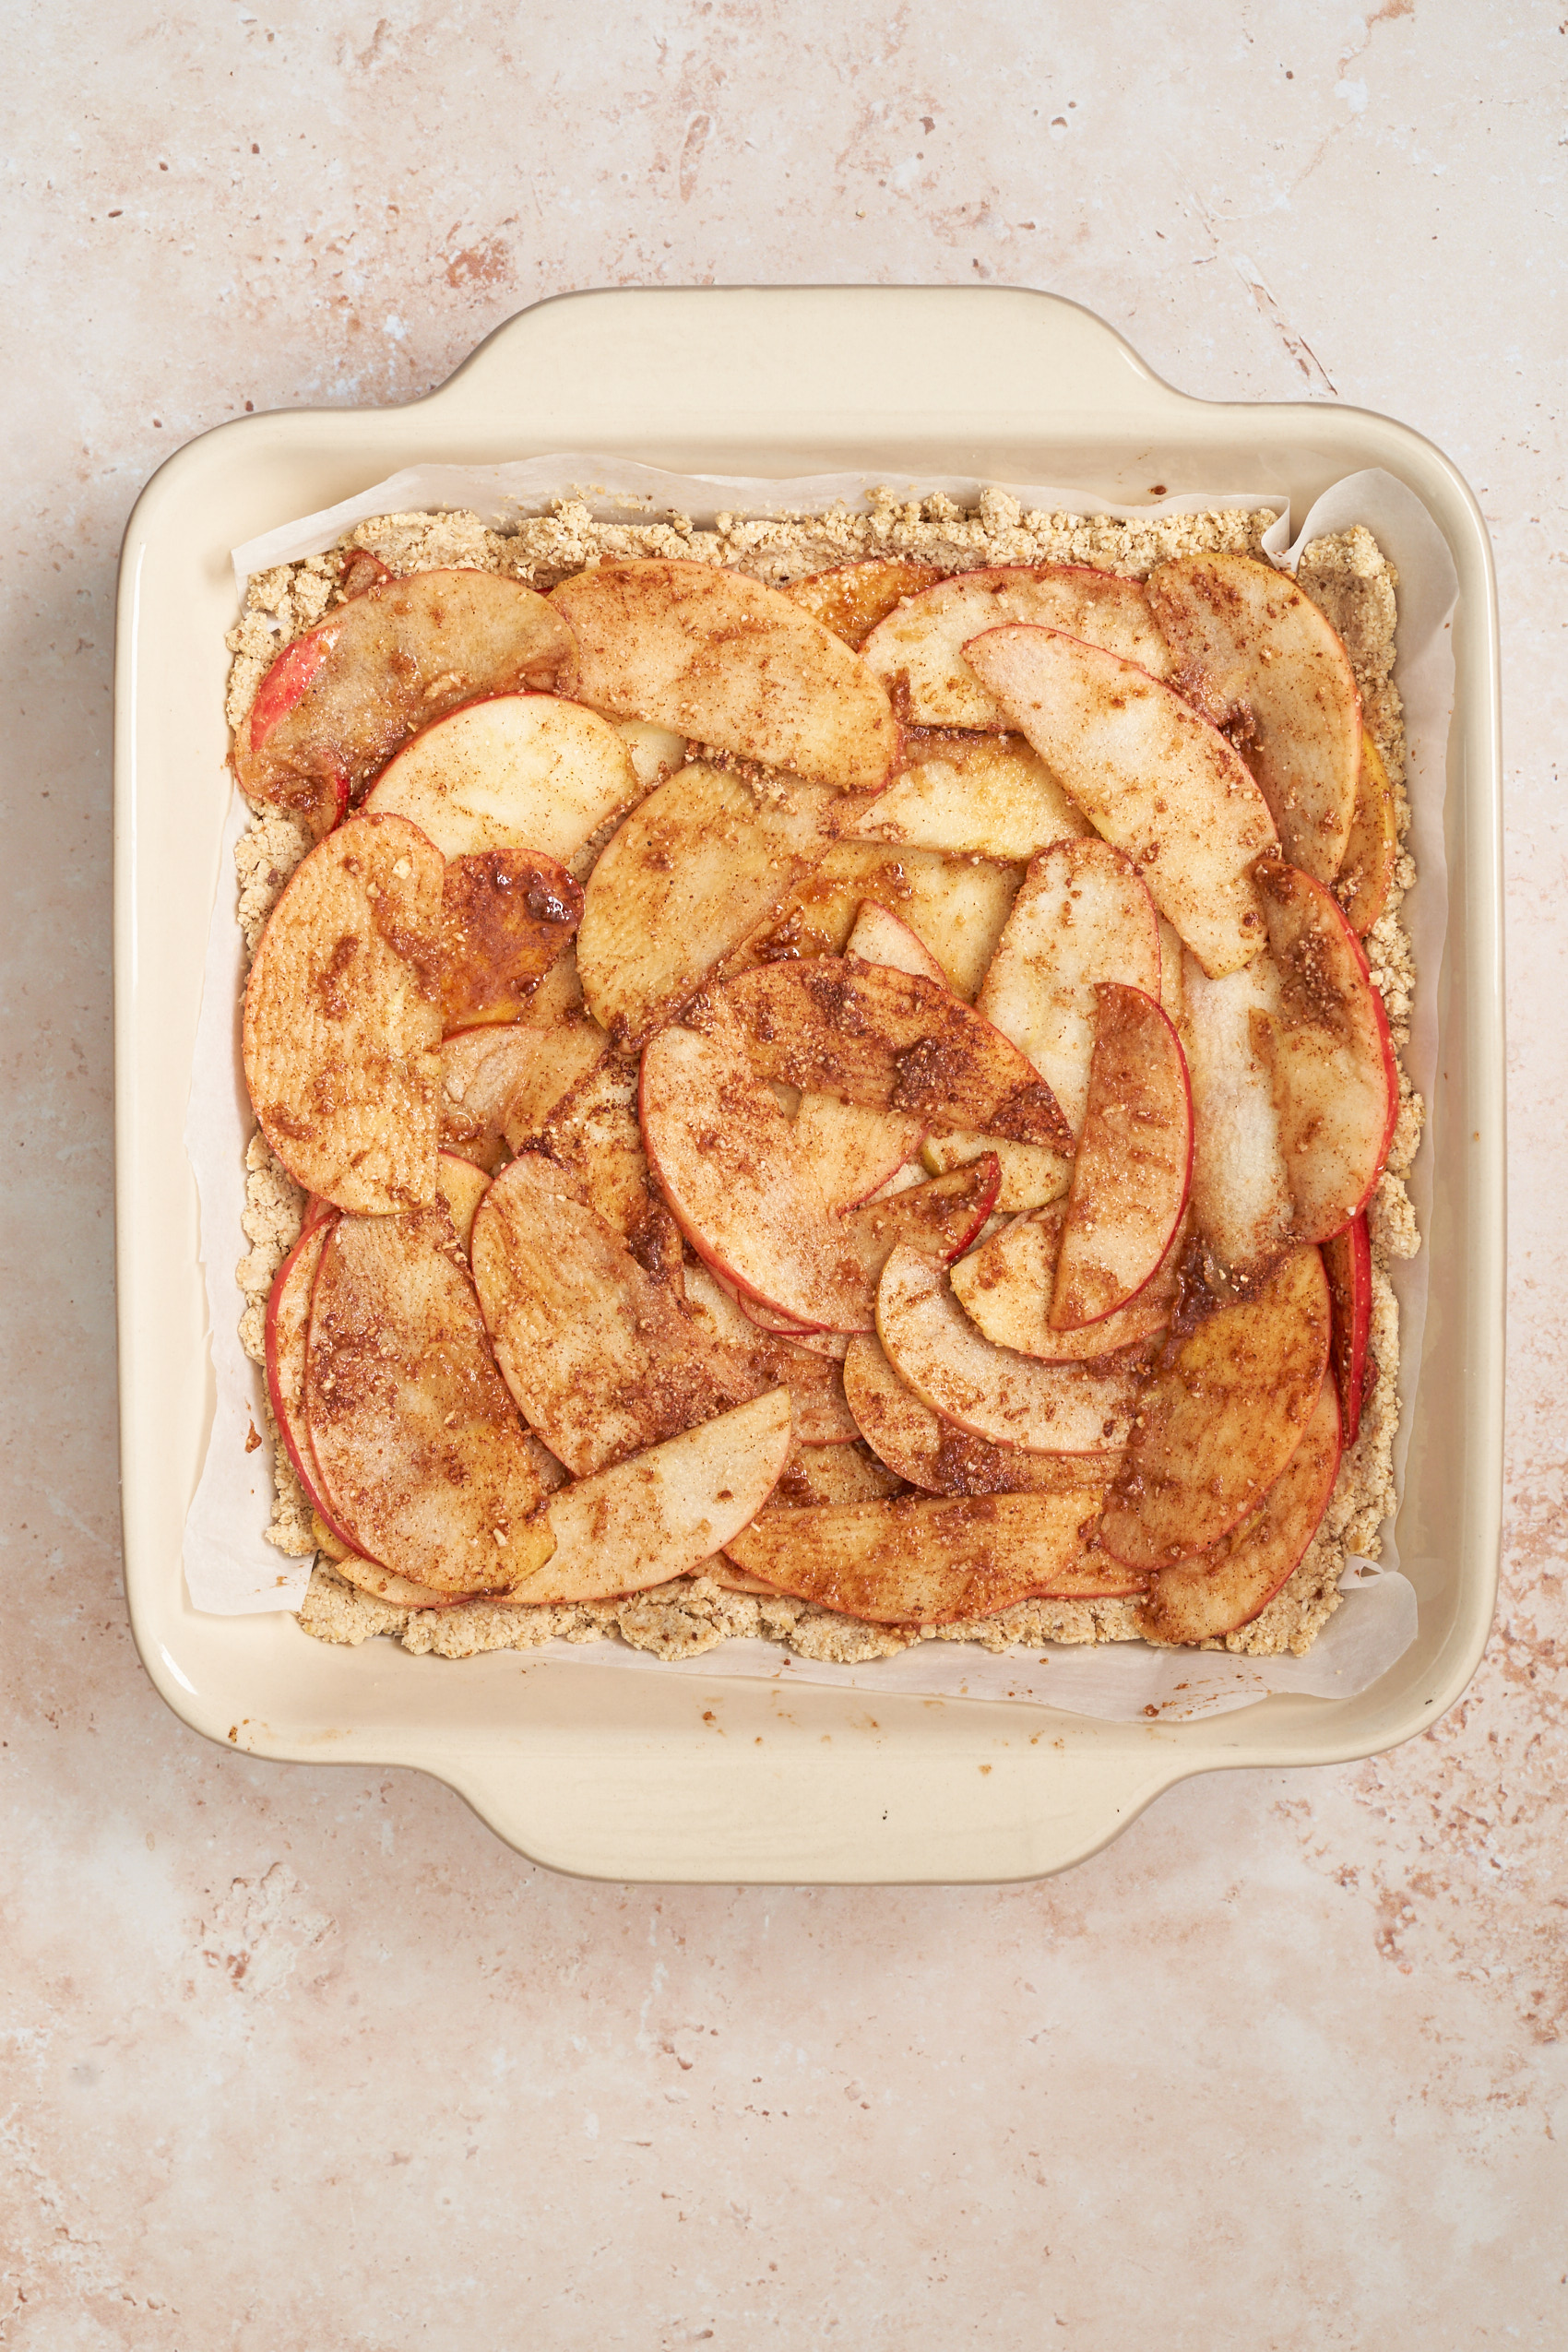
[{"x": 1015, "y": 1824}]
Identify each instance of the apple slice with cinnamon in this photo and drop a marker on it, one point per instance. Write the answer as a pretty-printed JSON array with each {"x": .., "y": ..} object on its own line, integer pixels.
[
  {"x": 1013, "y": 1400},
  {"x": 853, "y": 598},
  {"x": 1004, "y": 1286},
  {"x": 986, "y": 796},
  {"x": 664, "y": 1511},
  {"x": 339, "y": 701},
  {"x": 512, "y": 772},
  {"x": 1346, "y": 1260},
  {"x": 936, "y": 1454},
  {"x": 919, "y": 651},
  {"x": 922, "y": 1560},
  {"x": 1222, "y": 1415},
  {"x": 1259, "y": 657},
  {"x": 342, "y": 1017},
  {"x": 1134, "y": 1162},
  {"x": 1240, "y": 1195},
  {"x": 1225, "y": 1589},
  {"x": 1336, "y": 1081},
  {"x": 1153, "y": 776},
  {"x": 426, "y": 1466},
  {"x": 731, "y": 662}
]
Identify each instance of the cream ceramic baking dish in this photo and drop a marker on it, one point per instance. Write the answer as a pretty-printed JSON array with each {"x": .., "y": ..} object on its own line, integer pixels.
[{"x": 700, "y": 1777}]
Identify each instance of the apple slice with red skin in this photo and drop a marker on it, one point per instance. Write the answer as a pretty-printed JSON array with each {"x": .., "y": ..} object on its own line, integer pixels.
[
  {"x": 1221, "y": 1417},
  {"x": 604, "y": 1358},
  {"x": 286, "y": 1329},
  {"x": 1133, "y": 1163},
  {"x": 1259, "y": 657},
  {"x": 918, "y": 650},
  {"x": 726, "y": 1160},
  {"x": 882, "y": 937},
  {"x": 1082, "y": 916},
  {"x": 1224, "y": 1590},
  {"x": 1347, "y": 1259},
  {"x": 507, "y": 916},
  {"x": 1336, "y": 1081},
  {"x": 692, "y": 871},
  {"x": 938, "y": 1456},
  {"x": 512, "y": 772},
  {"x": 342, "y": 1018},
  {"x": 987, "y": 796},
  {"x": 426, "y": 1466},
  {"x": 1240, "y": 1196},
  {"x": 731, "y": 662},
  {"x": 773, "y": 1360},
  {"x": 1011, "y": 1399},
  {"x": 891, "y": 1040},
  {"x": 921, "y": 1559},
  {"x": 853, "y": 598},
  {"x": 1154, "y": 779},
  {"x": 663, "y": 1510},
  {"x": 338, "y": 703},
  {"x": 1004, "y": 1286},
  {"x": 1366, "y": 871}
]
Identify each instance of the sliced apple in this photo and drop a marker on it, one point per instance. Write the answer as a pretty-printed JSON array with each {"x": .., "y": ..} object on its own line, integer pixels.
[
  {"x": 1221, "y": 1417},
  {"x": 338, "y": 703},
  {"x": 1261, "y": 660},
  {"x": 1225, "y": 1589},
  {"x": 691, "y": 873},
  {"x": 1347, "y": 1259},
  {"x": 342, "y": 1019},
  {"x": 1240, "y": 1187},
  {"x": 462, "y": 1186},
  {"x": 515, "y": 772},
  {"x": 1335, "y": 1076},
  {"x": 660, "y": 1513},
  {"x": 603, "y": 1356},
  {"x": 1032, "y": 1175},
  {"x": 657, "y": 752},
  {"x": 892, "y": 1040},
  {"x": 499, "y": 1084},
  {"x": 286, "y": 1330},
  {"x": 919, "y": 651},
  {"x": 593, "y": 1135},
  {"x": 1153, "y": 778},
  {"x": 728, "y": 1163},
  {"x": 1004, "y": 1286},
  {"x": 758, "y": 1359},
  {"x": 506, "y": 915},
  {"x": 853, "y": 1150},
  {"x": 958, "y": 905},
  {"x": 1011, "y": 1399},
  {"x": 853, "y": 598},
  {"x": 918, "y": 1444},
  {"x": 919, "y": 1560},
  {"x": 1366, "y": 871},
  {"x": 987, "y": 796},
  {"x": 733, "y": 663},
  {"x": 1134, "y": 1164},
  {"x": 832, "y": 1474},
  {"x": 398, "y": 1592},
  {"x": 1082, "y": 916},
  {"x": 882, "y": 937},
  {"x": 426, "y": 1465}
]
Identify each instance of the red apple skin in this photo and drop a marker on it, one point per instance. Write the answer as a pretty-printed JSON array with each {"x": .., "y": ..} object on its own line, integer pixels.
[
  {"x": 287, "y": 680},
  {"x": 304, "y": 1462},
  {"x": 1347, "y": 1259}
]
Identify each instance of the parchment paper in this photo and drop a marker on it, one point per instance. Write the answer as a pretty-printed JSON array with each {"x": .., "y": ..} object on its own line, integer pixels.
[{"x": 231, "y": 1569}]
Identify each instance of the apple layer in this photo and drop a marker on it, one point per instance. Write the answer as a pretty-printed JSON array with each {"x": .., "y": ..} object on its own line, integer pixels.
[{"x": 1347, "y": 577}]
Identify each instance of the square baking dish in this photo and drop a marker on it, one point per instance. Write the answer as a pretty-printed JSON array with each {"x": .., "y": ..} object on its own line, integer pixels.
[{"x": 698, "y": 1776}]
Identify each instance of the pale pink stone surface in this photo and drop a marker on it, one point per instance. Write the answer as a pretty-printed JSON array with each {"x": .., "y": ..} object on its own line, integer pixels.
[{"x": 297, "y": 2057}]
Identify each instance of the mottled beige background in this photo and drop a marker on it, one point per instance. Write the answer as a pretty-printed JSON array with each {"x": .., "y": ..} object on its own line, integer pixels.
[{"x": 296, "y": 2058}]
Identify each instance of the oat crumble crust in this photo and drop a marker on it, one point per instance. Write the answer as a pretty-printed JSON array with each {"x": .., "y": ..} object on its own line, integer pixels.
[{"x": 1346, "y": 574}]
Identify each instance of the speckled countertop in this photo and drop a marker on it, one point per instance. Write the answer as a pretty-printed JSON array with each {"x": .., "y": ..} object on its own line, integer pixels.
[{"x": 296, "y": 2057}]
